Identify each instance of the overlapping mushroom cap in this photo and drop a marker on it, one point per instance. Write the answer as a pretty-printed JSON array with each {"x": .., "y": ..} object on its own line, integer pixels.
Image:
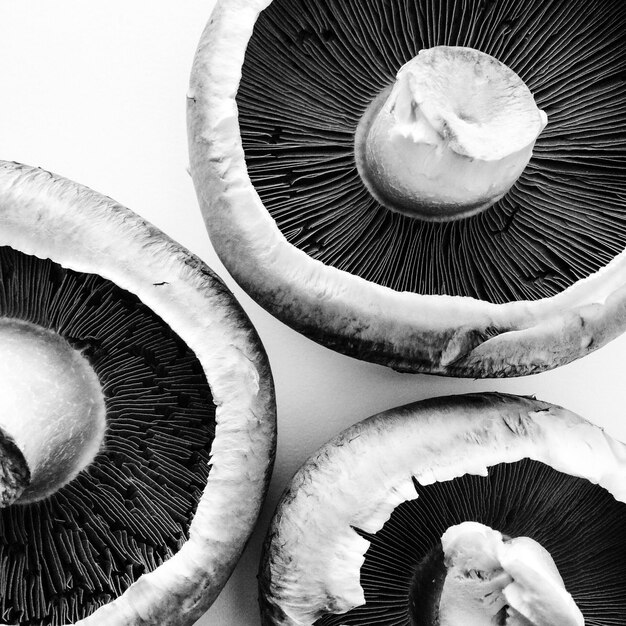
[
  {"x": 278, "y": 90},
  {"x": 148, "y": 527},
  {"x": 382, "y": 521}
]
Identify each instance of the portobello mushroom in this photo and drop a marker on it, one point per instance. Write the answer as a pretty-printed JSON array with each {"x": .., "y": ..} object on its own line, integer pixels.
[
  {"x": 478, "y": 510},
  {"x": 379, "y": 208},
  {"x": 137, "y": 414}
]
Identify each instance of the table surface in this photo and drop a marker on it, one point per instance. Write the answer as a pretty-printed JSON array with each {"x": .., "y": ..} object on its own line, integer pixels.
[{"x": 95, "y": 91}]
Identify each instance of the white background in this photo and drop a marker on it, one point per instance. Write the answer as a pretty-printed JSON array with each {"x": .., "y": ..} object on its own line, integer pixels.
[{"x": 95, "y": 90}]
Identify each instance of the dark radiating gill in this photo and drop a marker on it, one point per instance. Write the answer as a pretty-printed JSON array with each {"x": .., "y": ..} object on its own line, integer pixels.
[
  {"x": 425, "y": 588},
  {"x": 563, "y": 220},
  {"x": 131, "y": 509},
  {"x": 580, "y": 524}
]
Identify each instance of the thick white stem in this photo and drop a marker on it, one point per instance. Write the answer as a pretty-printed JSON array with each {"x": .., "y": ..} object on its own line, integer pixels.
[
  {"x": 490, "y": 579},
  {"x": 451, "y": 136},
  {"x": 52, "y": 412}
]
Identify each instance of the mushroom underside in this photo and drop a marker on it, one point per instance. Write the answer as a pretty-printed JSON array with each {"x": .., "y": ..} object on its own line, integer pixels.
[
  {"x": 379, "y": 526},
  {"x": 580, "y": 524},
  {"x": 562, "y": 221},
  {"x": 130, "y": 510}
]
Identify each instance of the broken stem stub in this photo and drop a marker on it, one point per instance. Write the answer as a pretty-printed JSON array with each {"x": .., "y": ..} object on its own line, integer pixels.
[
  {"x": 52, "y": 412},
  {"x": 450, "y": 137},
  {"x": 478, "y": 577}
]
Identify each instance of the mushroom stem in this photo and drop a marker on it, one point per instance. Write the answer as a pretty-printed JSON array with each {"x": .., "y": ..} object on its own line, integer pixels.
[
  {"x": 477, "y": 577},
  {"x": 52, "y": 412},
  {"x": 451, "y": 136}
]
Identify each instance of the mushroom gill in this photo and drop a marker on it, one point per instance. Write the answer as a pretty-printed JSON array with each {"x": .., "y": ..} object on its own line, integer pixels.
[
  {"x": 581, "y": 525},
  {"x": 130, "y": 510},
  {"x": 562, "y": 220}
]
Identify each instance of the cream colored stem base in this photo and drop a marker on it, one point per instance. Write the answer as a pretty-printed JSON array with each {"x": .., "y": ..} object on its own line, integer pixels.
[
  {"x": 451, "y": 136},
  {"x": 52, "y": 412},
  {"x": 492, "y": 581}
]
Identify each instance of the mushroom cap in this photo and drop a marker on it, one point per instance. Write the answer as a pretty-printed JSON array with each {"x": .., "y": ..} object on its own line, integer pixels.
[
  {"x": 408, "y": 331},
  {"x": 49, "y": 217},
  {"x": 338, "y": 505}
]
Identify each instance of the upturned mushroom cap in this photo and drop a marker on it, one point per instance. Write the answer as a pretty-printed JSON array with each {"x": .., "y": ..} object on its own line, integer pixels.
[
  {"x": 276, "y": 95},
  {"x": 355, "y": 538},
  {"x": 125, "y": 278}
]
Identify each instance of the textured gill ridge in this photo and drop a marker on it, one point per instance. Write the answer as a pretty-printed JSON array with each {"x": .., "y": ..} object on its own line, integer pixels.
[
  {"x": 580, "y": 524},
  {"x": 562, "y": 221},
  {"x": 131, "y": 509}
]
